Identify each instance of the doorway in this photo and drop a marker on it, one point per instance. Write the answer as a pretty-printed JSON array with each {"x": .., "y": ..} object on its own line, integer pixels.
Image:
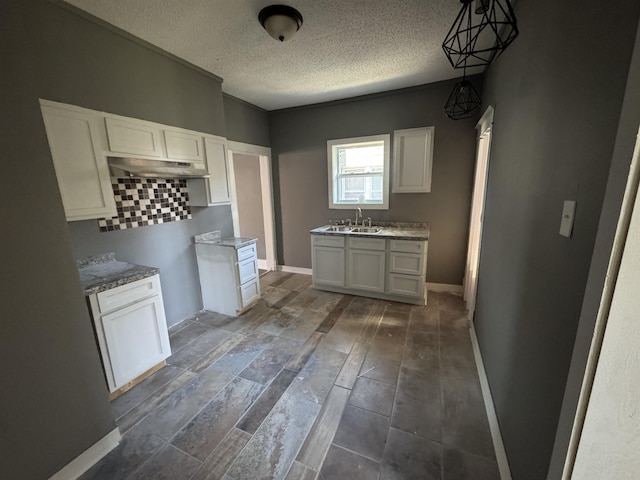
[
  {"x": 484, "y": 128},
  {"x": 252, "y": 198}
]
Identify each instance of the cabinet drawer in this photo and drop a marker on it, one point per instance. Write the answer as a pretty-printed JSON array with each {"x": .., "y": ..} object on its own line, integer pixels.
[
  {"x": 409, "y": 285},
  {"x": 410, "y": 246},
  {"x": 363, "y": 243},
  {"x": 249, "y": 292},
  {"x": 125, "y": 294},
  {"x": 407, "y": 263},
  {"x": 247, "y": 270},
  {"x": 248, "y": 251},
  {"x": 328, "y": 241}
]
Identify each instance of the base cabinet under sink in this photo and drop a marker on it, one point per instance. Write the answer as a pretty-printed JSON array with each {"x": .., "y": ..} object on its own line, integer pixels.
[{"x": 389, "y": 269}]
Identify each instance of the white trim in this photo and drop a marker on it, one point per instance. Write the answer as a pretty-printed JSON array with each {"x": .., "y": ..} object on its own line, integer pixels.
[
  {"x": 444, "y": 287},
  {"x": 301, "y": 270},
  {"x": 494, "y": 426},
  {"x": 89, "y": 457},
  {"x": 332, "y": 169},
  {"x": 266, "y": 184},
  {"x": 262, "y": 264},
  {"x": 476, "y": 216}
]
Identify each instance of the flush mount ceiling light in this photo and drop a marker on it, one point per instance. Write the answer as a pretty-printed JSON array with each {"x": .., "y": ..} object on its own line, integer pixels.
[
  {"x": 480, "y": 32},
  {"x": 464, "y": 101},
  {"x": 280, "y": 21}
]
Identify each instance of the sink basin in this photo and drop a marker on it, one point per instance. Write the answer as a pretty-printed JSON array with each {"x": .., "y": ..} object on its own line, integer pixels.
[
  {"x": 366, "y": 230},
  {"x": 338, "y": 228}
]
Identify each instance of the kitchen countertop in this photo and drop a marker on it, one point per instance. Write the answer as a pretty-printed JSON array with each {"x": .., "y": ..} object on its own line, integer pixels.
[
  {"x": 214, "y": 238},
  {"x": 396, "y": 230},
  {"x": 103, "y": 272}
]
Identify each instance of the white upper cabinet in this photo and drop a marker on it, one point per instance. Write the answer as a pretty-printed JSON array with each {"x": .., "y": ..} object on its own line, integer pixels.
[
  {"x": 184, "y": 146},
  {"x": 215, "y": 189},
  {"x": 412, "y": 160},
  {"x": 134, "y": 137},
  {"x": 77, "y": 144}
]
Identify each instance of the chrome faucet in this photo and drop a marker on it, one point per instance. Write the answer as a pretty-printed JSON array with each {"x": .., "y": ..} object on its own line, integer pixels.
[
  {"x": 368, "y": 220},
  {"x": 358, "y": 213}
]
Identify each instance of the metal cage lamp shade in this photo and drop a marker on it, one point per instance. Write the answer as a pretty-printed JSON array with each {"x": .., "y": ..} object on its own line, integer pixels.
[
  {"x": 463, "y": 102},
  {"x": 280, "y": 21},
  {"x": 480, "y": 32}
]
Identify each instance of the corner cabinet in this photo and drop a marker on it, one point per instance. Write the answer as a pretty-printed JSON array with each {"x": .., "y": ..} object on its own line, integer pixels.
[
  {"x": 215, "y": 189},
  {"x": 386, "y": 268},
  {"x": 412, "y": 160},
  {"x": 77, "y": 142},
  {"x": 131, "y": 329}
]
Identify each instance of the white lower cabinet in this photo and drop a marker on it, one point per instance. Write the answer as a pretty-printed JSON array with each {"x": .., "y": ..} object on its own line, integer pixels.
[
  {"x": 383, "y": 268},
  {"x": 229, "y": 277},
  {"x": 328, "y": 260},
  {"x": 131, "y": 329}
]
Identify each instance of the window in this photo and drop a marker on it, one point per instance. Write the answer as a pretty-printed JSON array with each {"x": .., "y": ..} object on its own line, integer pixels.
[{"x": 359, "y": 172}]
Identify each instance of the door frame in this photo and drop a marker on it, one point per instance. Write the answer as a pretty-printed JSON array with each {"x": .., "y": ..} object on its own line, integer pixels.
[
  {"x": 266, "y": 184},
  {"x": 484, "y": 128}
]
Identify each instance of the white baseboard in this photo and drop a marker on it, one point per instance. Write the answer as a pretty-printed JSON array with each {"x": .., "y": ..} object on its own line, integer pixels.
[
  {"x": 498, "y": 445},
  {"x": 302, "y": 270},
  {"x": 88, "y": 458},
  {"x": 444, "y": 287}
]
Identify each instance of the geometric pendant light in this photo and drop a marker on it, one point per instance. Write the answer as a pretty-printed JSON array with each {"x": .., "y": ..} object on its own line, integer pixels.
[
  {"x": 480, "y": 32},
  {"x": 463, "y": 102}
]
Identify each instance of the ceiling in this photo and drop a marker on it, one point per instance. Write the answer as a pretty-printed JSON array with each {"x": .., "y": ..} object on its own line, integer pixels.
[{"x": 343, "y": 49}]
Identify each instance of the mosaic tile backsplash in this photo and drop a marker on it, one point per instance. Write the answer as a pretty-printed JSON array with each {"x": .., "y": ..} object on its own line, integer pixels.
[{"x": 147, "y": 201}]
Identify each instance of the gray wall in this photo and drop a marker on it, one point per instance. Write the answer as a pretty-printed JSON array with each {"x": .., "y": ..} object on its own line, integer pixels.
[
  {"x": 557, "y": 92},
  {"x": 616, "y": 183},
  {"x": 246, "y": 123},
  {"x": 299, "y": 148},
  {"x": 249, "y": 196},
  {"x": 54, "y": 404}
]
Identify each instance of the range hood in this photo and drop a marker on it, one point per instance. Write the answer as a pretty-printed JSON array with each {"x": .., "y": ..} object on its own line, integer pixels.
[{"x": 143, "y": 168}]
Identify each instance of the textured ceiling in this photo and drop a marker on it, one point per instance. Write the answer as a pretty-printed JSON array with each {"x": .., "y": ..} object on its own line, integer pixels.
[{"x": 343, "y": 49}]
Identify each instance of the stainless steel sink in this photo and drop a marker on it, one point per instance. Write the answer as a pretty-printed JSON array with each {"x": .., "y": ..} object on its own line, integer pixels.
[
  {"x": 366, "y": 230},
  {"x": 338, "y": 228}
]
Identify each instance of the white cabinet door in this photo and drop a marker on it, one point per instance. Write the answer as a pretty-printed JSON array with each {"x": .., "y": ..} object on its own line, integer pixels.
[
  {"x": 366, "y": 270},
  {"x": 79, "y": 161},
  {"x": 406, "y": 285},
  {"x": 407, "y": 263},
  {"x": 133, "y": 137},
  {"x": 216, "y": 151},
  {"x": 215, "y": 189},
  {"x": 328, "y": 266},
  {"x": 412, "y": 160},
  {"x": 136, "y": 338},
  {"x": 184, "y": 146}
]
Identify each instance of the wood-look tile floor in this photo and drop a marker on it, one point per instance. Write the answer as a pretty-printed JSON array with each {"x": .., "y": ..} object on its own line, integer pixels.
[{"x": 310, "y": 385}]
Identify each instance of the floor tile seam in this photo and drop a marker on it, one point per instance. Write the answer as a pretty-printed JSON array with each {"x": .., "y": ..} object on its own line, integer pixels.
[
  {"x": 467, "y": 452},
  {"x": 419, "y": 435},
  {"x": 152, "y": 393},
  {"x": 234, "y": 458},
  {"x": 173, "y": 437},
  {"x": 388, "y": 417},
  {"x": 195, "y": 338},
  {"x": 379, "y": 462},
  {"x": 157, "y": 407},
  {"x": 132, "y": 474},
  {"x": 188, "y": 368}
]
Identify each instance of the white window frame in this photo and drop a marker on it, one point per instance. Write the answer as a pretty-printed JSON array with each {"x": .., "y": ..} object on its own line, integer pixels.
[{"x": 332, "y": 163}]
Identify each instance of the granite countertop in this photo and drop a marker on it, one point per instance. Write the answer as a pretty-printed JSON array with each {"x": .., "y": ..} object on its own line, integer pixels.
[
  {"x": 396, "y": 230},
  {"x": 103, "y": 272},
  {"x": 214, "y": 238}
]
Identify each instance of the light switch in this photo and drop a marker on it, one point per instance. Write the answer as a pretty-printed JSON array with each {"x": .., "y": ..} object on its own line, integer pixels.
[{"x": 568, "y": 213}]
